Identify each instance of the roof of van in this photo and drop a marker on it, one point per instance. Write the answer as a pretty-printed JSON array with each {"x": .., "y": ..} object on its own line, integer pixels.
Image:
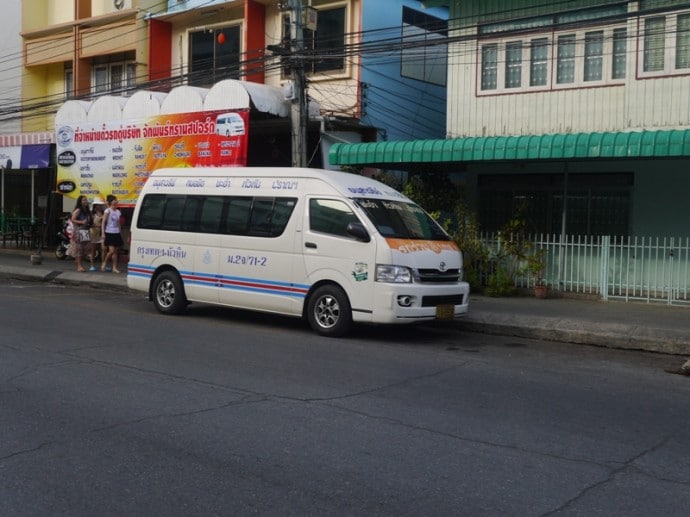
[{"x": 348, "y": 184}]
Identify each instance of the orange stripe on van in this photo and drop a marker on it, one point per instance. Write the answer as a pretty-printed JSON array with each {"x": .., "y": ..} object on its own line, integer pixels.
[{"x": 415, "y": 246}]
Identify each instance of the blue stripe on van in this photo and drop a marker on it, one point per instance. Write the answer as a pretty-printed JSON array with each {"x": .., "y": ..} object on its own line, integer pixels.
[
  {"x": 263, "y": 286},
  {"x": 228, "y": 282}
]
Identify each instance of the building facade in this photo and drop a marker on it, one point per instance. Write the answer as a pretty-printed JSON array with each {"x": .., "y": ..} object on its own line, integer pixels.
[
  {"x": 24, "y": 157},
  {"x": 10, "y": 76},
  {"x": 613, "y": 68},
  {"x": 371, "y": 69},
  {"x": 581, "y": 109}
]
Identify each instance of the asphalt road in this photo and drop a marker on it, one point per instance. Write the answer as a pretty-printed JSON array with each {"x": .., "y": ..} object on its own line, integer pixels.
[{"x": 107, "y": 408}]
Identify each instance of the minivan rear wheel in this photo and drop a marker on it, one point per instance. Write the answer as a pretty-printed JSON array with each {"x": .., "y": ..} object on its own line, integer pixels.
[
  {"x": 329, "y": 312},
  {"x": 168, "y": 293}
]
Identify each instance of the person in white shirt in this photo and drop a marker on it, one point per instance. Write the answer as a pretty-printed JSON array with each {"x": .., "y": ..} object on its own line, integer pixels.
[{"x": 111, "y": 229}]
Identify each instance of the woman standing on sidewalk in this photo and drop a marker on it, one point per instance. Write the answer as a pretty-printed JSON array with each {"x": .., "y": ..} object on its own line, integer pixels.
[
  {"x": 97, "y": 247},
  {"x": 111, "y": 230},
  {"x": 81, "y": 236}
]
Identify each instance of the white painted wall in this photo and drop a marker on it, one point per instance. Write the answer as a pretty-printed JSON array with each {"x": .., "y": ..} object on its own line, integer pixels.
[
  {"x": 10, "y": 64},
  {"x": 658, "y": 103}
]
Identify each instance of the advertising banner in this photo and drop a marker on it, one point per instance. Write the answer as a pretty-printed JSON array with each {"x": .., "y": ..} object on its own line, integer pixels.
[
  {"x": 116, "y": 157},
  {"x": 10, "y": 157}
]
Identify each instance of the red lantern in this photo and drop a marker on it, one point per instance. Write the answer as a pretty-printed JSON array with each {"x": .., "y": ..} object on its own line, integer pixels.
[{"x": 221, "y": 38}]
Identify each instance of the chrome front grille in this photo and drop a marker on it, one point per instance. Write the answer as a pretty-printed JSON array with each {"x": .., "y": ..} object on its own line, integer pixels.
[{"x": 435, "y": 276}]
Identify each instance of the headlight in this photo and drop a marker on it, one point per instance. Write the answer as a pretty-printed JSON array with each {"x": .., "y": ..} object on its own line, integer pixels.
[{"x": 393, "y": 274}]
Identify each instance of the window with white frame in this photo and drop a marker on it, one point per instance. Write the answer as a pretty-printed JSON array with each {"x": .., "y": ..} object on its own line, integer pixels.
[
  {"x": 513, "y": 64},
  {"x": 665, "y": 44},
  {"x": 489, "y": 67},
  {"x": 620, "y": 53},
  {"x": 539, "y": 62},
  {"x": 113, "y": 74},
  {"x": 594, "y": 56},
  {"x": 563, "y": 59}
]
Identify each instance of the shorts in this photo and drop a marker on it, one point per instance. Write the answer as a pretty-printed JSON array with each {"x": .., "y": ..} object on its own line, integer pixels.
[{"x": 113, "y": 239}]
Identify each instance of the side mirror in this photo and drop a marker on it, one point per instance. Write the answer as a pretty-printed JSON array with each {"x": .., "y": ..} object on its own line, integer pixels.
[{"x": 358, "y": 231}]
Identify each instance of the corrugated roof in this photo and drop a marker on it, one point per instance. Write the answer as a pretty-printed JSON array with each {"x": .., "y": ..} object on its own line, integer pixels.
[{"x": 641, "y": 144}]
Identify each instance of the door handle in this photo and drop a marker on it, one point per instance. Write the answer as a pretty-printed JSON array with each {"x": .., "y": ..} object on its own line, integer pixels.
[{"x": 310, "y": 245}]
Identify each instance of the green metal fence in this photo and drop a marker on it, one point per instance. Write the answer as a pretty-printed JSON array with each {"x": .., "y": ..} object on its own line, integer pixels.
[{"x": 20, "y": 232}]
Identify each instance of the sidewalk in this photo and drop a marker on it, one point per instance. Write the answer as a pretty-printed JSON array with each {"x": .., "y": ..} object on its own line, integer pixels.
[{"x": 640, "y": 326}]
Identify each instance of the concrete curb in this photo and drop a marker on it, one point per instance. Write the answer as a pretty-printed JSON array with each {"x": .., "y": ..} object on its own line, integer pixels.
[
  {"x": 31, "y": 274},
  {"x": 608, "y": 335}
]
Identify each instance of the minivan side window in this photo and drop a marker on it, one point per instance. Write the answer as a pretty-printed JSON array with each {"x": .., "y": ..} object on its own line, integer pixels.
[
  {"x": 151, "y": 213},
  {"x": 173, "y": 213},
  {"x": 231, "y": 215},
  {"x": 270, "y": 216},
  {"x": 211, "y": 215},
  {"x": 330, "y": 216},
  {"x": 237, "y": 215}
]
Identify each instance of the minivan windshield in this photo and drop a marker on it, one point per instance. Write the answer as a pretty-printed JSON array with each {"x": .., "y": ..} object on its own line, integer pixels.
[{"x": 401, "y": 220}]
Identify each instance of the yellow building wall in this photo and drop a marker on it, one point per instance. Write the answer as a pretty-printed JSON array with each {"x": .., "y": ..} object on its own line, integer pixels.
[
  {"x": 37, "y": 14},
  {"x": 44, "y": 86}
]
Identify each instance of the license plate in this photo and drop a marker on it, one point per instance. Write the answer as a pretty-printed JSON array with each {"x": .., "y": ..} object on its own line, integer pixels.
[{"x": 445, "y": 312}]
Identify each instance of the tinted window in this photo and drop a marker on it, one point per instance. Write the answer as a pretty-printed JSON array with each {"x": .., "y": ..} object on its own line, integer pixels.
[
  {"x": 266, "y": 217},
  {"x": 330, "y": 216},
  {"x": 237, "y": 219},
  {"x": 172, "y": 217},
  {"x": 401, "y": 220},
  {"x": 151, "y": 213},
  {"x": 260, "y": 222},
  {"x": 211, "y": 215},
  {"x": 190, "y": 219}
]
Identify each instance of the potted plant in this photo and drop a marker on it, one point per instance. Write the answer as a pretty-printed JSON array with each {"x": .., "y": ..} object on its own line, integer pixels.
[{"x": 536, "y": 268}]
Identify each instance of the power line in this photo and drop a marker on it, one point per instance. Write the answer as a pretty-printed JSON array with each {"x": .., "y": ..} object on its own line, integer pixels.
[{"x": 390, "y": 46}]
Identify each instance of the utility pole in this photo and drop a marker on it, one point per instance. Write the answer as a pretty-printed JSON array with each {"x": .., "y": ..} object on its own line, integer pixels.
[{"x": 298, "y": 114}]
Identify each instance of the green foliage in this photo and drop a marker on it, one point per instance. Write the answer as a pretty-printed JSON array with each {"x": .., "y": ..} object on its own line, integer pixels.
[
  {"x": 464, "y": 229},
  {"x": 514, "y": 246},
  {"x": 389, "y": 178},
  {"x": 351, "y": 169},
  {"x": 500, "y": 283},
  {"x": 536, "y": 266},
  {"x": 434, "y": 191},
  {"x": 445, "y": 202}
]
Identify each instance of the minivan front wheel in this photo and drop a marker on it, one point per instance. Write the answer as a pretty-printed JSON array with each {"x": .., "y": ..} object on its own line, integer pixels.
[
  {"x": 168, "y": 293},
  {"x": 329, "y": 311}
]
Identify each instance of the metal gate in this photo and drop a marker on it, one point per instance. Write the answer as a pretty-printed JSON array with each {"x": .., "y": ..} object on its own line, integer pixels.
[{"x": 649, "y": 269}]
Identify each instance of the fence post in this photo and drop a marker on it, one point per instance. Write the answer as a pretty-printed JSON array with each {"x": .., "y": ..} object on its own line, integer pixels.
[
  {"x": 604, "y": 250},
  {"x": 671, "y": 271},
  {"x": 561, "y": 262}
]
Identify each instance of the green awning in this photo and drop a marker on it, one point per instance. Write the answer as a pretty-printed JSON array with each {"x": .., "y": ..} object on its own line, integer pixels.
[{"x": 640, "y": 144}]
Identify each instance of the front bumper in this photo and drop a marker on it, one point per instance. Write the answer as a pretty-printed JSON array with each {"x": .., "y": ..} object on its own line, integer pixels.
[{"x": 407, "y": 303}]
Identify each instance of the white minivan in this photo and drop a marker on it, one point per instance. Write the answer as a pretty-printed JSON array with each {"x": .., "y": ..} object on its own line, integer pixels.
[
  {"x": 332, "y": 247},
  {"x": 229, "y": 124}
]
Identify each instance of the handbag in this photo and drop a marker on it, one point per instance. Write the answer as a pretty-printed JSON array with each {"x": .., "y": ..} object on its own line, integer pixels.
[{"x": 83, "y": 235}]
